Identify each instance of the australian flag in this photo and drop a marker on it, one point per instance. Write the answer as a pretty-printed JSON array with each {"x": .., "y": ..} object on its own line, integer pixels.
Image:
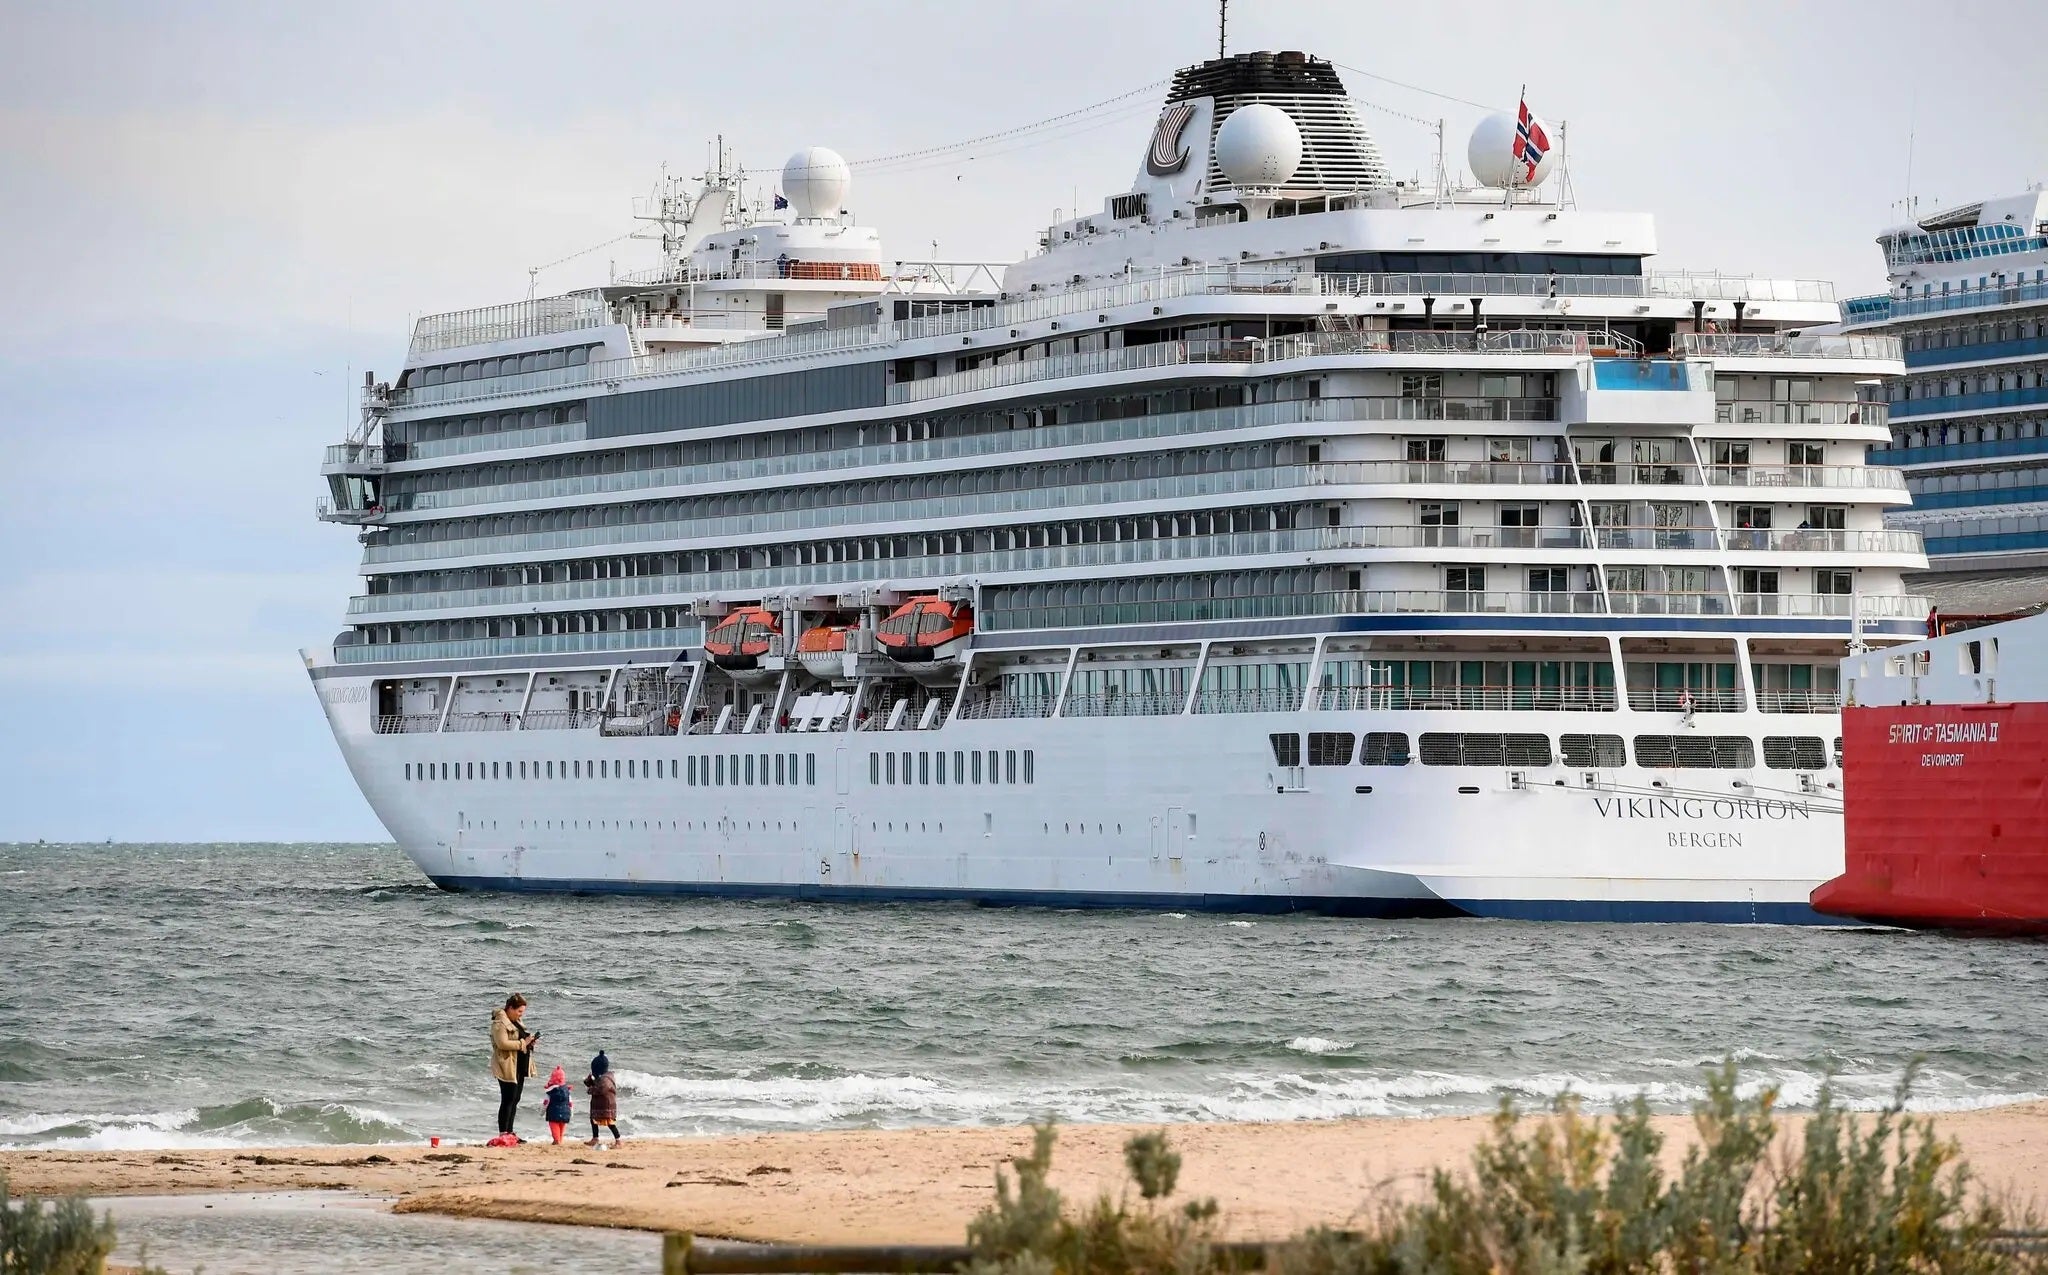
[
  {"x": 1531, "y": 142},
  {"x": 781, "y": 203}
]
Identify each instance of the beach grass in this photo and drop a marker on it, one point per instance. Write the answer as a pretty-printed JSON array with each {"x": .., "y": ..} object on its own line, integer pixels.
[
  {"x": 56, "y": 1237},
  {"x": 1571, "y": 1195}
]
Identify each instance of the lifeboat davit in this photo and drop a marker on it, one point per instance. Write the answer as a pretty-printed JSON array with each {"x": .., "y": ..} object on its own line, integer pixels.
[
  {"x": 925, "y": 630},
  {"x": 822, "y": 651},
  {"x": 738, "y": 642}
]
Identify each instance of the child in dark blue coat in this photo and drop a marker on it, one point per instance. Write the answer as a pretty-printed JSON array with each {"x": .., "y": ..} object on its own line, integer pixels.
[{"x": 558, "y": 1104}]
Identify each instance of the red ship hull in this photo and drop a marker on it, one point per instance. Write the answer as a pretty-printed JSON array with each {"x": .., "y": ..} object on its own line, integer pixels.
[{"x": 1946, "y": 817}]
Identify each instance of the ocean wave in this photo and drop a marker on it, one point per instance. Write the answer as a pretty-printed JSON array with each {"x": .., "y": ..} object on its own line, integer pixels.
[
  {"x": 1319, "y": 1045},
  {"x": 248, "y": 1122}
]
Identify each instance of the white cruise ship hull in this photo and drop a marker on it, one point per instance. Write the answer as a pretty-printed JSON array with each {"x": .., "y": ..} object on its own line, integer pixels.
[{"x": 1163, "y": 812}]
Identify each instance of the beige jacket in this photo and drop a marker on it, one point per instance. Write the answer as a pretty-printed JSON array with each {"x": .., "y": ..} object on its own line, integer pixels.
[{"x": 507, "y": 1044}]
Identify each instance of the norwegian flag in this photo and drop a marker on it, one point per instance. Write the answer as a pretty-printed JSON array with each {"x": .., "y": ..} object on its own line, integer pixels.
[{"x": 1531, "y": 142}]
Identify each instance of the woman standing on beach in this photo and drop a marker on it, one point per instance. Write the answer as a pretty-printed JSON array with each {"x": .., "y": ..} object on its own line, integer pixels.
[{"x": 511, "y": 1057}]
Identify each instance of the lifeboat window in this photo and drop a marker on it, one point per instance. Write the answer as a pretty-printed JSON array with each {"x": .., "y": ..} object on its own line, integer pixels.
[
  {"x": 1795, "y": 752},
  {"x": 408, "y": 770},
  {"x": 874, "y": 768},
  {"x": 1286, "y": 750},
  {"x": 1384, "y": 748},
  {"x": 1696, "y": 752},
  {"x": 1010, "y": 767},
  {"x": 750, "y": 769},
  {"x": 1030, "y": 766},
  {"x": 718, "y": 771},
  {"x": 550, "y": 767},
  {"x": 994, "y": 776},
  {"x": 690, "y": 769},
  {"x": 959, "y": 768},
  {"x": 976, "y": 754},
  {"x": 889, "y": 766},
  {"x": 939, "y": 768},
  {"x": 811, "y": 769},
  {"x": 1593, "y": 750},
  {"x": 781, "y": 762},
  {"x": 1330, "y": 747}
]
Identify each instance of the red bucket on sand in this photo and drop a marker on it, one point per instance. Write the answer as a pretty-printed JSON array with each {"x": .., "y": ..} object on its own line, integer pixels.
[{"x": 434, "y": 1142}]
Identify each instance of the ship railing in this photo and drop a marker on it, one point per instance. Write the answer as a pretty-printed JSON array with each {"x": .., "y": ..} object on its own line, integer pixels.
[
  {"x": 998, "y": 705},
  {"x": 1751, "y": 411},
  {"x": 467, "y": 722},
  {"x": 1122, "y": 429},
  {"x": 1883, "y": 307},
  {"x": 1499, "y": 473},
  {"x": 561, "y": 718},
  {"x": 1627, "y": 602},
  {"x": 1657, "y": 538},
  {"x": 1710, "y": 345},
  {"x": 774, "y": 348},
  {"x": 1870, "y": 606},
  {"x": 1335, "y": 602},
  {"x": 545, "y": 316},
  {"x": 1680, "y": 699},
  {"x": 1817, "y": 540},
  {"x": 1251, "y": 350},
  {"x": 354, "y": 454},
  {"x": 1135, "y": 704},
  {"x": 1663, "y": 285},
  {"x": 1870, "y": 477},
  {"x": 1591, "y": 699},
  {"x": 1273, "y": 699},
  {"x": 1770, "y": 700},
  {"x": 408, "y": 723},
  {"x": 644, "y": 724},
  {"x": 1640, "y": 473}
]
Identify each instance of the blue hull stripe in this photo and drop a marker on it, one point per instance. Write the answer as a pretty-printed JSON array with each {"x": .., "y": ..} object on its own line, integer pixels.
[
  {"x": 1257, "y": 904},
  {"x": 1728, "y": 912}
]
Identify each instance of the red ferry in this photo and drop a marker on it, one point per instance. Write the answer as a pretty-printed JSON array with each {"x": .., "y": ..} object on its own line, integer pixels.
[{"x": 1945, "y": 783}]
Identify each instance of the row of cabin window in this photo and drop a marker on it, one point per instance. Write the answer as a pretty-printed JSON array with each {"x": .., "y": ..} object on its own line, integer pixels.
[
  {"x": 783, "y": 769},
  {"x": 1001, "y": 767},
  {"x": 1448, "y": 748}
]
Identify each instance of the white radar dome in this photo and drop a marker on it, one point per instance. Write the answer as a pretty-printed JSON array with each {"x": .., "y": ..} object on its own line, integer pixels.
[
  {"x": 1258, "y": 145},
  {"x": 815, "y": 181},
  {"x": 1491, "y": 153}
]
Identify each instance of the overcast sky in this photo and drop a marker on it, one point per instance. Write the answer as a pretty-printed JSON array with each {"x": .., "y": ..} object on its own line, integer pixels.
[{"x": 214, "y": 217}]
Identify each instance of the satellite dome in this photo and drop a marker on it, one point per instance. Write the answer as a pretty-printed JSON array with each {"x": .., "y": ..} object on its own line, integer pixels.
[
  {"x": 815, "y": 181},
  {"x": 1258, "y": 145},
  {"x": 1491, "y": 154}
]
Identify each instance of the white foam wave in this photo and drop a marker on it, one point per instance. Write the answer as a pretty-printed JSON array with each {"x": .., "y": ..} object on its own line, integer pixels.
[
  {"x": 1319, "y": 1045},
  {"x": 1239, "y": 925}
]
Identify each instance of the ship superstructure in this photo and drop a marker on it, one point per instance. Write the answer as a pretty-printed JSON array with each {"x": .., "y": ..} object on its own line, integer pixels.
[
  {"x": 1280, "y": 536},
  {"x": 1969, "y": 303}
]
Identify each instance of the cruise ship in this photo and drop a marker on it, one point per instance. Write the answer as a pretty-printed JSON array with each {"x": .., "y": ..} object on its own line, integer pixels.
[
  {"x": 1281, "y": 535},
  {"x": 1968, "y": 300}
]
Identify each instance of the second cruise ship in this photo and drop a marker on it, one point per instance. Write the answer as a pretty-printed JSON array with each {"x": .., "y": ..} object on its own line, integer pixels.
[{"x": 1281, "y": 535}]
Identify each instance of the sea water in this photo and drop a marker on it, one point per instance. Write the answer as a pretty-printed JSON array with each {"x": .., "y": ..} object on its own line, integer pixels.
[{"x": 238, "y": 995}]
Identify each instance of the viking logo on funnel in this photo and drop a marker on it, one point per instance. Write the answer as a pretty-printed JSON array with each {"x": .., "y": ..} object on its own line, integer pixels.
[{"x": 1168, "y": 156}]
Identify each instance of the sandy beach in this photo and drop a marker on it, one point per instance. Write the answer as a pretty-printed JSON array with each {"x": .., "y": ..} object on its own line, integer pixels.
[{"x": 903, "y": 1185}]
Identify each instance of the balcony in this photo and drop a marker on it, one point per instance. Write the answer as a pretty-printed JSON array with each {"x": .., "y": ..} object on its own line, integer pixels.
[
  {"x": 1815, "y": 540},
  {"x": 1772, "y": 412},
  {"x": 1980, "y": 353},
  {"x": 1984, "y": 401},
  {"x": 1640, "y": 473},
  {"x": 1586, "y": 699},
  {"x": 1681, "y": 699},
  {"x": 1806, "y": 477},
  {"x": 1657, "y": 539},
  {"x": 1778, "y": 345},
  {"x": 1834, "y": 606},
  {"x": 1883, "y": 309},
  {"x": 354, "y": 458},
  {"x": 1625, "y": 602}
]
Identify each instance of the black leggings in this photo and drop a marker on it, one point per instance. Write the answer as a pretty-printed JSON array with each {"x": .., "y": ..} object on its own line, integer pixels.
[
  {"x": 508, "y": 1103},
  {"x": 613, "y": 1126}
]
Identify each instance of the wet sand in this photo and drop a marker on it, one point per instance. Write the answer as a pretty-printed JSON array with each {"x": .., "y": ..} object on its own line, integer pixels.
[{"x": 899, "y": 1185}]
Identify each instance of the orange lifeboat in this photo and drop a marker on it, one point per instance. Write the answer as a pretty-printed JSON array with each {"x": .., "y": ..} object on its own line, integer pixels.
[
  {"x": 919, "y": 631},
  {"x": 822, "y": 651},
  {"x": 740, "y": 640}
]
